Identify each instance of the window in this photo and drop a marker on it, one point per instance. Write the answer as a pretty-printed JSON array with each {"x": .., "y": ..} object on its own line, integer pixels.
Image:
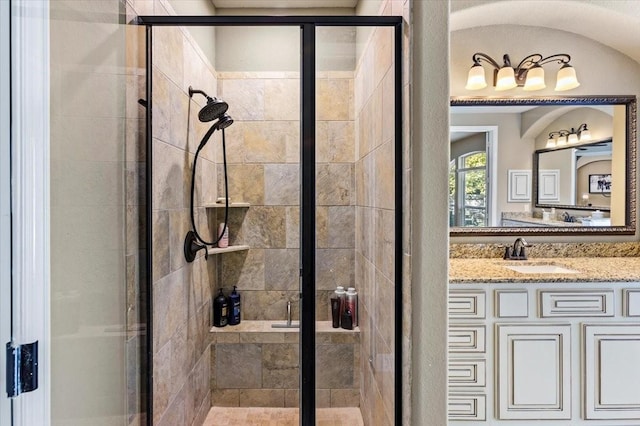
[{"x": 468, "y": 190}]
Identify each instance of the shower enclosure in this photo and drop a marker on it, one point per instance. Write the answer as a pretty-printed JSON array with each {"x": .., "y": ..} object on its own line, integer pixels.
[{"x": 315, "y": 188}]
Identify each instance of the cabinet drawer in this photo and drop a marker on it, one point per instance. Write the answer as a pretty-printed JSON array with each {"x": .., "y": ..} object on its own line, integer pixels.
[
  {"x": 467, "y": 373},
  {"x": 576, "y": 303},
  {"x": 470, "y": 407},
  {"x": 467, "y": 304},
  {"x": 467, "y": 338},
  {"x": 631, "y": 302}
]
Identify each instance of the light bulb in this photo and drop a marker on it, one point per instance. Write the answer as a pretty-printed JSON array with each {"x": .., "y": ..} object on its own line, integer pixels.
[
  {"x": 566, "y": 79},
  {"x": 476, "y": 80},
  {"x": 551, "y": 143},
  {"x": 535, "y": 79},
  {"x": 506, "y": 79},
  {"x": 573, "y": 138}
]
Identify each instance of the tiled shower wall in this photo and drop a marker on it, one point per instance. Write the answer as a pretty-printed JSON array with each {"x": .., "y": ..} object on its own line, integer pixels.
[
  {"x": 263, "y": 153},
  {"x": 375, "y": 223},
  {"x": 181, "y": 291},
  {"x": 135, "y": 229}
]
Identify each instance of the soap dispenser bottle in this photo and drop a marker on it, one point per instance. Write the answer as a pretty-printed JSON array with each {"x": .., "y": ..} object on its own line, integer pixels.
[
  {"x": 234, "y": 307},
  {"x": 220, "y": 310},
  {"x": 352, "y": 304}
]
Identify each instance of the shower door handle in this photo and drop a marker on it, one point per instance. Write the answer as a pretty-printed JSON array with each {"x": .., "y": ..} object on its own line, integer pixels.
[{"x": 300, "y": 284}]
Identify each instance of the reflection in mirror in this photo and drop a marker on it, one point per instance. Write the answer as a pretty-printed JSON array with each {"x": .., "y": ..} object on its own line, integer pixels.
[
  {"x": 470, "y": 188},
  {"x": 587, "y": 168},
  {"x": 543, "y": 165}
]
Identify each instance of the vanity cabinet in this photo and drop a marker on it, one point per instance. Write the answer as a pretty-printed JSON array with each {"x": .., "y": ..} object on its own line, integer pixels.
[{"x": 544, "y": 353}]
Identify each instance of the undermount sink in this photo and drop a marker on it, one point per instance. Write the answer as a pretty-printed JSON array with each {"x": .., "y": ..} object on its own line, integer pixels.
[{"x": 541, "y": 269}]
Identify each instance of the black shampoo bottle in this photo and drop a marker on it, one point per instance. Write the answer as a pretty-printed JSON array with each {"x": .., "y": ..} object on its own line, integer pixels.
[{"x": 220, "y": 310}]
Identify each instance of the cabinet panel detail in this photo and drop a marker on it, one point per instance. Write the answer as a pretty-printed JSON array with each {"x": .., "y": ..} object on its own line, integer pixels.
[
  {"x": 467, "y": 304},
  {"x": 631, "y": 302},
  {"x": 533, "y": 371},
  {"x": 467, "y": 338},
  {"x": 467, "y": 372},
  {"x": 576, "y": 303},
  {"x": 611, "y": 371},
  {"x": 470, "y": 407},
  {"x": 512, "y": 303}
]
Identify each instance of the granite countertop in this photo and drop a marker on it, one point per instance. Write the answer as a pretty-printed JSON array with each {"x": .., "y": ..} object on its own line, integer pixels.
[{"x": 590, "y": 269}]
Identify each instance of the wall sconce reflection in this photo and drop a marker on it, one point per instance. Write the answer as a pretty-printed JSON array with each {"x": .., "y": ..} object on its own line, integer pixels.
[{"x": 568, "y": 137}]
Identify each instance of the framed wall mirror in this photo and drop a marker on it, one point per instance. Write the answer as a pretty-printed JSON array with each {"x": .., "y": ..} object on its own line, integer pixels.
[{"x": 556, "y": 165}]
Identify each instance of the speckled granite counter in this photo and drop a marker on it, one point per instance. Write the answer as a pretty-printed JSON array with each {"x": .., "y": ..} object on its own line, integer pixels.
[{"x": 590, "y": 269}]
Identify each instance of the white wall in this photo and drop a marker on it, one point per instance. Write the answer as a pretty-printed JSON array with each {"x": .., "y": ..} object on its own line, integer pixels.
[{"x": 429, "y": 228}]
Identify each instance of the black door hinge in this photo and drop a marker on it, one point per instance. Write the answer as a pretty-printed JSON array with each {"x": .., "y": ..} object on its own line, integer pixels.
[{"x": 22, "y": 368}]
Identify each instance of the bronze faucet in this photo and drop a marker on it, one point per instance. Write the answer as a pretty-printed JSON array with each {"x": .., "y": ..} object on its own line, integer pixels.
[{"x": 517, "y": 252}]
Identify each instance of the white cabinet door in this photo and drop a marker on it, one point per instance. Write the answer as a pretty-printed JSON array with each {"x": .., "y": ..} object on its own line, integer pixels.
[
  {"x": 533, "y": 371},
  {"x": 611, "y": 371}
]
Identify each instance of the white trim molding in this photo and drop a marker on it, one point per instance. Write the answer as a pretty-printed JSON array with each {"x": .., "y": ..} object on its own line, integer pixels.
[
  {"x": 5, "y": 201},
  {"x": 30, "y": 196}
]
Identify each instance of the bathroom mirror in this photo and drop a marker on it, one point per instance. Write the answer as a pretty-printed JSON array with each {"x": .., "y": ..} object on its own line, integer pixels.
[{"x": 511, "y": 171}]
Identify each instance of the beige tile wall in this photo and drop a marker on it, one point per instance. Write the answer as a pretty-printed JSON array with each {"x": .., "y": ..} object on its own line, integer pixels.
[
  {"x": 137, "y": 281},
  {"x": 263, "y": 156},
  {"x": 262, "y": 369},
  {"x": 181, "y": 291},
  {"x": 375, "y": 219}
]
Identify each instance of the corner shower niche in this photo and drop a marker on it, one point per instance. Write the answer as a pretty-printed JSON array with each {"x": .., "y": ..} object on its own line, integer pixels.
[{"x": 217, "y": 207}]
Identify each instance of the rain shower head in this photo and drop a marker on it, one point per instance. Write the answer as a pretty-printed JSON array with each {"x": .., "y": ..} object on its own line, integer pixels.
[
  {"x": 223, "y": 122},
  {"x": 214, "y": 108}
]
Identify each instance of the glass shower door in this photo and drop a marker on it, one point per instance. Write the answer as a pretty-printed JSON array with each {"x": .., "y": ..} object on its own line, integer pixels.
[
  {"x": 98, "y": 333},
  {"x": 355, "y": 237}
]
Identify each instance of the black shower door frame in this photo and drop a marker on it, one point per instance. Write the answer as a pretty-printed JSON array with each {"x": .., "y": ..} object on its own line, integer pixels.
[{"x": 307, "y": 25}]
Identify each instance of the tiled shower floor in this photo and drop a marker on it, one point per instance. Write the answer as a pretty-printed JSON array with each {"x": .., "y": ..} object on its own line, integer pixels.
[{"x": 251, "y": 416}]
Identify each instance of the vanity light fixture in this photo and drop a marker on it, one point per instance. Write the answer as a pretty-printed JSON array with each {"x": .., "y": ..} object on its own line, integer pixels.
[
  {"x": 564, "y": 137},
  {"x": 529, "y": 73}
]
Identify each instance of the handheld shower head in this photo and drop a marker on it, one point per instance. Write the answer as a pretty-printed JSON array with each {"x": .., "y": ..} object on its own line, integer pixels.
[
  {"x": 214, "y": 108},
  {"x": 223, "y": 122}
]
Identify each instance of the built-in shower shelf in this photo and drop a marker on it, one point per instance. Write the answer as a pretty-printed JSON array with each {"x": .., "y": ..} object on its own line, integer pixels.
[
  {"x": 221, "y": 205},
  {"x": 217, "y": 250}
]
